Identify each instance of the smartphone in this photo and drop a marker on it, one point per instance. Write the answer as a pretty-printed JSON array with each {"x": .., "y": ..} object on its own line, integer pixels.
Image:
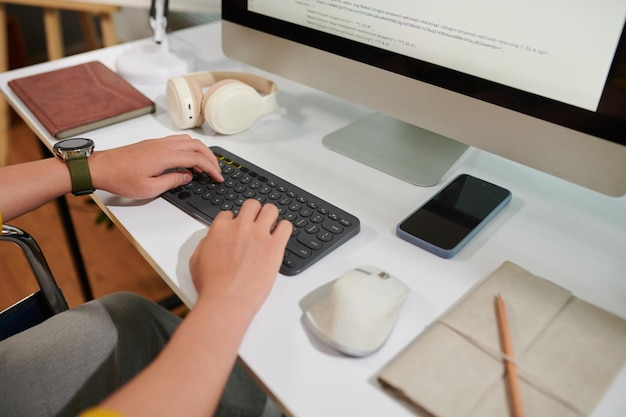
[{"x": 453, "y": 216}]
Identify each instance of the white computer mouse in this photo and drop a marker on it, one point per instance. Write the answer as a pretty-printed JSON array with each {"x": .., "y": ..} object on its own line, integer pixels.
[{"x": 359, "y": 312}]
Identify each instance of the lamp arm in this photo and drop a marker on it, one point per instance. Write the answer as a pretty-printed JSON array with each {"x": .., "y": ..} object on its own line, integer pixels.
[{"x": 158, "y": 19}]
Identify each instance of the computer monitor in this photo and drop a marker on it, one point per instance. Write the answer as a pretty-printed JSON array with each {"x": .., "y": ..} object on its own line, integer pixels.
[{"x": 540, "y": 83}]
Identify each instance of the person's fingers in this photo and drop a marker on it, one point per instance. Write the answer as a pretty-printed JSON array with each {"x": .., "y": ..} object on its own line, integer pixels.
[
  {"x": 249, "y": 210},
  {"x": 283, "y": 228},
  {"x": 267, "y": 216},
  {"x": 193, "y": 153},
  {"x": 173, "y": 179},
  {"x": 224, "y": 215}
]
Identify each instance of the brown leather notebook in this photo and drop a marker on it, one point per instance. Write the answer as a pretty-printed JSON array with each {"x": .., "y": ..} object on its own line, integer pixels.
[{"x": 80, "y": 98}]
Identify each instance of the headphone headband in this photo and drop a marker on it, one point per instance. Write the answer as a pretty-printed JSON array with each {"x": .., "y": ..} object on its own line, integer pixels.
[{"x": 207, "y": 78}]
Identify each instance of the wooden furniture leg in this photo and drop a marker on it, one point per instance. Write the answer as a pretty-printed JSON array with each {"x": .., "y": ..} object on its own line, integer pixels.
[
  {"x": 54, "y": 36},
  {"x": 4, "y": 107},
  {"x": 88, "y": 29},
  {"x": 107, "y": 27}
]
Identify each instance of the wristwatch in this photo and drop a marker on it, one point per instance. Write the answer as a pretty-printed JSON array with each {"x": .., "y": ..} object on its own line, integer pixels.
[{"x": 75, "y": 152}]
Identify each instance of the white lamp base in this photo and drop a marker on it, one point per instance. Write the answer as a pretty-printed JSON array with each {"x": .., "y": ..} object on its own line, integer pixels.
[{"x": 150, "y": 64}]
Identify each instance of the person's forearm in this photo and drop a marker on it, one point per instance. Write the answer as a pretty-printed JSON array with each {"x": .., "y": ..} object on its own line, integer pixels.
[
  {"x": 27, "y": 186},
  {"x": 132, "y": 171},
  {"x": 189, "y": 376}
]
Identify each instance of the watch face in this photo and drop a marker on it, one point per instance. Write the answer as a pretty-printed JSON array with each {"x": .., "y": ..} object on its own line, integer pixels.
[
  {"x": 74, "y": 147},
  {"x": 74, "y": 144}
]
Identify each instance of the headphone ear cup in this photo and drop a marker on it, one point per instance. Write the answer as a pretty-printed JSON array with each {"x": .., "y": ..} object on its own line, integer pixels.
[
  {"x": 184, "y": 102},
  {"x": 231, "y": 106}
]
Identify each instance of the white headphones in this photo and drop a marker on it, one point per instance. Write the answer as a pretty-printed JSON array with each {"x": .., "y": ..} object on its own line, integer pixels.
[{"x": 231, "y": 104}]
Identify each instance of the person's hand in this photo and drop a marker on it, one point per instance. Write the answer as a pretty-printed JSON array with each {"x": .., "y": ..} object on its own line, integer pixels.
[
  {"x": 233, "y": 268},
  {"x": 240, "y": 256},
  {"x": 136, "y": 170}
]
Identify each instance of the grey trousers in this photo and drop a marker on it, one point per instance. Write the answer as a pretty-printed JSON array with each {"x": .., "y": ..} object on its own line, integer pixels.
[{"x": 77, "y": 358}]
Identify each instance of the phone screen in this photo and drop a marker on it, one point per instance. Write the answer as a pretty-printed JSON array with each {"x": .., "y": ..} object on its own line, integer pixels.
[{"x": 454, "y": 215}]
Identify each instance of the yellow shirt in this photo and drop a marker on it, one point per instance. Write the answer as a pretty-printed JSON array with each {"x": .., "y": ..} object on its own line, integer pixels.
[{"x": 100, "y": 412}]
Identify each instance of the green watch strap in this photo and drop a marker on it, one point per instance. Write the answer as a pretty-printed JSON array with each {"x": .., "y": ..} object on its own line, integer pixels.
[{"x": 79, "y": 172}]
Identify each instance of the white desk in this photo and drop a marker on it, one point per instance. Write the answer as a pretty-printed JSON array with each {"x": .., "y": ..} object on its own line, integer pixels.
[{"x": 573, "y": 236}]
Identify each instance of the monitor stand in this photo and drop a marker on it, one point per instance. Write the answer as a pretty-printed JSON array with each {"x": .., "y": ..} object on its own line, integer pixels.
[{"x": 408, "y": 152}]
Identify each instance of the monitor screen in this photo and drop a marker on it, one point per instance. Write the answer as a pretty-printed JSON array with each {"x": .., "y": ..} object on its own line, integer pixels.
[{"x": 540, "y": 83}]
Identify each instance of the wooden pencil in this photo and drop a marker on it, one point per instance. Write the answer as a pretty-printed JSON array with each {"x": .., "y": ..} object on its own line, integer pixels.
[{"x": 515, "y": 398}]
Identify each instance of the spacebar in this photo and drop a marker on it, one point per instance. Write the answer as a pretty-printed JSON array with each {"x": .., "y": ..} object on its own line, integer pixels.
[
  {"x": 299, "y": 249},
  {"x": 206, "y": 211}
]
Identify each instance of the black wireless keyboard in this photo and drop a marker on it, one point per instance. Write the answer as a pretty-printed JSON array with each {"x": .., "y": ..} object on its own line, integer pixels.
[{"x": 318, "y": 227}]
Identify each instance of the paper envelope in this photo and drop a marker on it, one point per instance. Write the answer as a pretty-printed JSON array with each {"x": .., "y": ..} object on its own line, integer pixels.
[{"x": 567, "y": 352}]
